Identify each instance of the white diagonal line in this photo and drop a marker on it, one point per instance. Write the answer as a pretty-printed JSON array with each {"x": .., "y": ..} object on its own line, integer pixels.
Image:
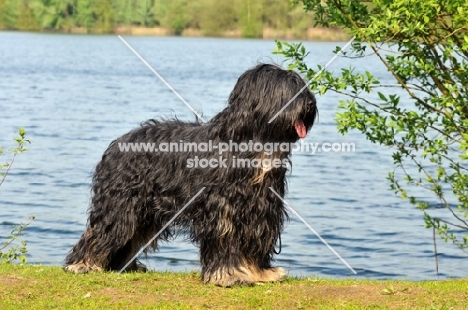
[
  {"x": 312, "y": 79},
  {"x": 162, "y": 229},
  {"x": 162, "y": 79},
  {"x": 313, "y": 230}
]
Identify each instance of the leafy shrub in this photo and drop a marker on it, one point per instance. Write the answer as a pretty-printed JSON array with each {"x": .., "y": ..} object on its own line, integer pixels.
[{"x": 9, "y": 250}]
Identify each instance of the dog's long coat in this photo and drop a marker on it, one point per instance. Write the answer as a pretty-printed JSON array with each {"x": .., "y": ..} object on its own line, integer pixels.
[{"x": 236, "y": 221}]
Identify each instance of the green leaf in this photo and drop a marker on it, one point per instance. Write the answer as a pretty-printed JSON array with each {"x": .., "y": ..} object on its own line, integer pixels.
[{"x": 382, "y": 96}]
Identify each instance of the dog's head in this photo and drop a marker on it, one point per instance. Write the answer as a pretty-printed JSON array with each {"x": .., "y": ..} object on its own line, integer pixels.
[{"x": 260, "y": 106}]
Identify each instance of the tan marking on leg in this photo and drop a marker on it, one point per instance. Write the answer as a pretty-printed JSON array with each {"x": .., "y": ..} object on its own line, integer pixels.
[
  {"x": 246, "y": 274},
  {"x": 271, "y": 275},
  {"x": 264, "y": 275},
  {"x": 227, "y": 278},
  {"x": 82, "y": 268}
]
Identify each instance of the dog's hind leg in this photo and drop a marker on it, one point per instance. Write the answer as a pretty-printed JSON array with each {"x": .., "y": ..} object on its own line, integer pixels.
[
  {"x": 78, "y": 260},
  {"x": 126, "y": 254},
  {"x": 84, "y": 259},
  {"x": 107, "y": 244},
  {"x": 123, "y": 256}
]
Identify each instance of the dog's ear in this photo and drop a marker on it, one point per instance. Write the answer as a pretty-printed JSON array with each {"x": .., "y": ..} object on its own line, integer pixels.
[{"x": 259, "y": 94}]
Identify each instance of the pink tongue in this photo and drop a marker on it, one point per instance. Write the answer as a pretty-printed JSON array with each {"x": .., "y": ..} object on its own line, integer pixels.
[{"x": 300, "y": 129}]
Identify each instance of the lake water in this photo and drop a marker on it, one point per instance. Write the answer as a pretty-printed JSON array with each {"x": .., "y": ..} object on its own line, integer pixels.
[{"x": 75, "y": 94}]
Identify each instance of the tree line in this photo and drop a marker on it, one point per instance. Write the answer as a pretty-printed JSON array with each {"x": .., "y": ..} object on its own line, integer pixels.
[{"x": 210, "y": 17}]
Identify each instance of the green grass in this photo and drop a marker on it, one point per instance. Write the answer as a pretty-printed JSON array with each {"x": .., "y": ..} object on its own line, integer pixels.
[{"x": 45, "y": 287}]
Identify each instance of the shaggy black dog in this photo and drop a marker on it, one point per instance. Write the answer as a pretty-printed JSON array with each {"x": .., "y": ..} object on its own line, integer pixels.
[{"x": 237, "y": 220}]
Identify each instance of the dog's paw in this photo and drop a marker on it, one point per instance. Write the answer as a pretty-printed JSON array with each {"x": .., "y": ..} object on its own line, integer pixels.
[
  {"x": 81, "y": 268},
  {"x": 268, "y": 275},
  {"x": 278, "y": 274},
  {"x": 245, "y": 276},
  {"x": 229, "y": 281},
  {"x": 140, "y": 267},
  {"x": 228, "y": 278},
  {"x": 136, "y": 266}
]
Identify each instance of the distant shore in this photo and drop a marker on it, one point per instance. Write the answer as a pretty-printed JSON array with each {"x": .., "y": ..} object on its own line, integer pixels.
[{"x": 310, "y": 34}]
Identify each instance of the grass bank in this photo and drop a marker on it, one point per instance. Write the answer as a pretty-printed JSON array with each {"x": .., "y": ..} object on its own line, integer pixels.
[{"x": 45, "y": 287}]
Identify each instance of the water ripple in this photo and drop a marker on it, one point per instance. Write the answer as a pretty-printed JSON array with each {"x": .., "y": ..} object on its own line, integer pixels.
[{"x": 75, "y": 94}]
